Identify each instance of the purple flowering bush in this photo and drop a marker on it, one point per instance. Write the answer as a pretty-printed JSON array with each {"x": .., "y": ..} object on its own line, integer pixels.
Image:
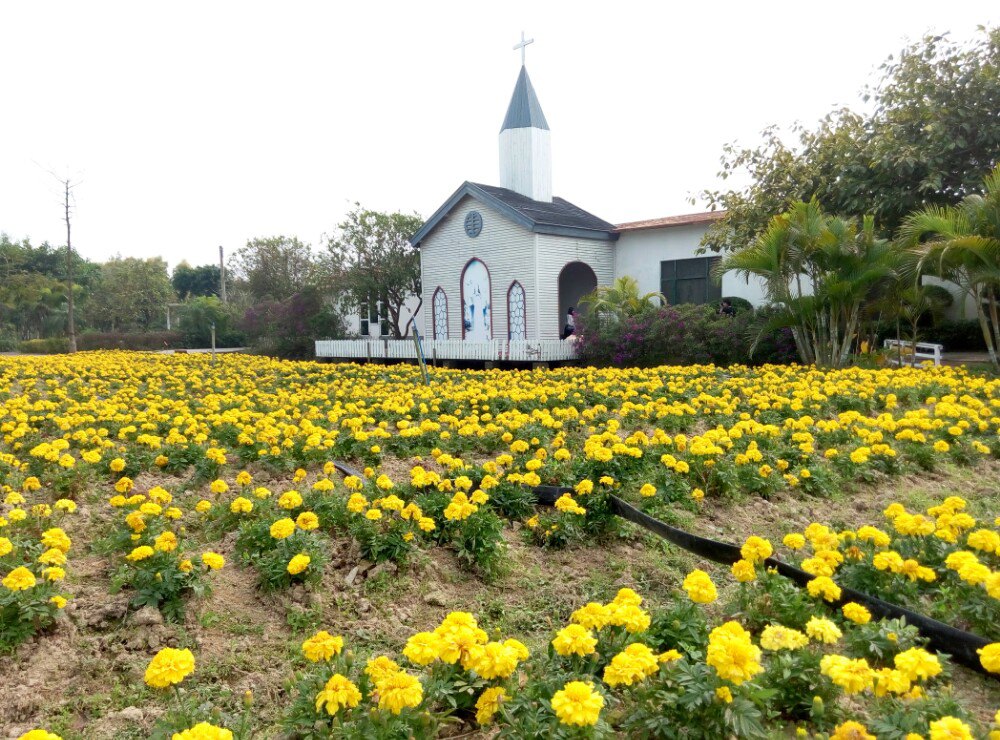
[{"x": 682, "y": 335}]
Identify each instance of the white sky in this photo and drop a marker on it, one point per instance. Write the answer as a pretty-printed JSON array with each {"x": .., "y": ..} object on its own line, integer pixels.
[{"x": 195, "y": 124}]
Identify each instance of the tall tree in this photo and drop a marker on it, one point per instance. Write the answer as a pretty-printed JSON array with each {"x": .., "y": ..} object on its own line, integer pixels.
[
  {"x": 204, "y": 280},
  {"x": 817, "y": 270},
  {"x": 131, "y": 294},
  {"x": 930, "y": 138},
  {"x": 371, "y": 259},
  {"x": 273, "y": 268},
  {"x": 962, "y": 244}
]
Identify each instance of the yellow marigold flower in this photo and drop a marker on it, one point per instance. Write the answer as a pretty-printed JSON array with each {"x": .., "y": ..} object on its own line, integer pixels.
[
  {"x": 241, "y": 505},
  {"x": 723, "y": 693},
  {"x": 298, "y": 564},
  {"x": 56, "y": 538},
  {"x": 140, "y": 553},
  {"x": 373, "y": 514},
  {"x": 243, "y": 478},
  {"x": 744, "y": 571},
  {"x": 697, "y": 494},
  {"x": 339, "y": 692},
  {"x": 776, "y": 637},
  {"x": 732, "y": 653},
  {"x": 647, "y": 490},
  {"x": 668, "y": 657},
  {"x": 635, "y": 663},
  {"x": 19, "y": 579},
  {"x": 989, "y": 658},
  {"x": 584, "y": 487},
  {"x": 493, "y": 660},
  {"x": 699, "y": 587},
  {"x": 218, "y": 486},
  {"x": 399, "y": 691},
  {"x": 592, "y": 616},
  {"x": 261, "y": 492},
  {"x": 203, "y": 506},
  {"x": 917, "y": 663},
  {"x": 426, "y": 524},
  {"x": 851, "y": 730},
  {"x": 6, "y": 547},
  {"x": 423, "y": 648},
  {"x": 185, "y": 566},
  {"x": 825, "y": 587},
  {"x": 39, "y": 735},
  {"x": 307, "y": 521},
  {"x": 169, "y": 667},
  {"x": 489, "y": 703},
  {"x": 941, "y": 446},
  {"x": 574, "y": 639},
  {"x": 794, "y": 541},
  {"x": 856, "y": 613},
  {"x": 117, "y": 465},
  {"x": 756, "y": 549},
  {"x": 891, "y": 681},
  {"x": 853, "y": 676},
  {"x": 67, "y": 505},
  {"x": 950, "y": 728},
  {"x": 577, "y": 704},
  {"x": 58, "y": 601},
  {"x": 117, "y": 501},
  {"x": 290, "y": 500},
  {"x": 282, "y": 528},
  {"x": 823, "y": 630},
  {"x": 381, "y": 667},
  {"x": 203, "y": 731},
  {"x": 322, "y": 646},
  {"x": 213, "y": 560},
  {"x": 165, "y": 541},
  {"x": 161, "y": 461}
]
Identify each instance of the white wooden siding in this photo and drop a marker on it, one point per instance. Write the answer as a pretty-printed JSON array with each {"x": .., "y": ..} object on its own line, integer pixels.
[
  {"x": 496, "y": 350},
  {"x": 507, "y": 250},
  {"x": 554, "y": 253}
]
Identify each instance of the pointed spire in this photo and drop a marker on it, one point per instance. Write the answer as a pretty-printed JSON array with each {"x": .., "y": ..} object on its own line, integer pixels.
[{"x": 524, "y": 110}]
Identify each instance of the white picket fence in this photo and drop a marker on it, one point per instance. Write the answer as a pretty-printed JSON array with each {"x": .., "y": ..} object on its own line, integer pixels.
[{"x": 497, "y": 350}]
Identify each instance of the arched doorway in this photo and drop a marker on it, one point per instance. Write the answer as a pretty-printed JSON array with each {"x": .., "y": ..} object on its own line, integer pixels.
[{"x": 575, "y": 281}]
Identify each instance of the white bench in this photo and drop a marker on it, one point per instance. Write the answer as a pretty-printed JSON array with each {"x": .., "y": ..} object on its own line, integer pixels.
[{"x": 901, "y": 352}]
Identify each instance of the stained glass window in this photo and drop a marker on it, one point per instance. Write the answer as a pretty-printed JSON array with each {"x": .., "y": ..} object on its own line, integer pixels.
[
  {"x": 517, "y": 329},
  {"x": 440, "y": 307}
]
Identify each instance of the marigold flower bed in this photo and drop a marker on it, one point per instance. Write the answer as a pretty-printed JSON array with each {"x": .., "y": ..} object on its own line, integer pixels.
[{"x": 168, "y": 456}]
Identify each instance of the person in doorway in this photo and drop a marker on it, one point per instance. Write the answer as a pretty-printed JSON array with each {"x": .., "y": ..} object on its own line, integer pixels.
[
  {"x": 570, "y": 328},
  {"x": 727, "y": 308}
]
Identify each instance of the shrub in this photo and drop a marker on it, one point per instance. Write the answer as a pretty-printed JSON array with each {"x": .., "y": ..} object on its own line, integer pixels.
[
  {"x": 152, "y": 340},
  {"x": 290, "y": 328},
  {"x": 685, "y": 334},
  {"x": 197, "y": 317},
  {"x": 50, "y": 346},
  {"x": 956, "y": 336}
]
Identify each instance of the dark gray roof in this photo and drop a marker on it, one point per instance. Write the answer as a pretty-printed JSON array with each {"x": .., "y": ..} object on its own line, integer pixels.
[
  {"x": 560, "y": 217},
  {"x": 524, "y": 110}
]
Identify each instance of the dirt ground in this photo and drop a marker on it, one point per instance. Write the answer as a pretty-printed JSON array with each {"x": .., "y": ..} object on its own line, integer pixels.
[{"x": 84, "y": 679}]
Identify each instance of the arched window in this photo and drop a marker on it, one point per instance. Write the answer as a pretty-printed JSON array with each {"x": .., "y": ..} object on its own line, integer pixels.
[
  {"x": 439, "y": 306},
  {"x": 517, "y": 327},
  {"x": 477, "y": 316}
]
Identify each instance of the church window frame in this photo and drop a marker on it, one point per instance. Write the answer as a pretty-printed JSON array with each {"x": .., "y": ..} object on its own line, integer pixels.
[
  {"x": 439, "y": 314},
  {"x": 514, "y": 293},
  {"x": 489, "y": 294},
  {"x": 687, "y": 278}
]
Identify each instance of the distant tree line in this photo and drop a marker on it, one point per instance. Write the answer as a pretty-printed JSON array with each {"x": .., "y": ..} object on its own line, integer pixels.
[{"x": 281, "y": 294}]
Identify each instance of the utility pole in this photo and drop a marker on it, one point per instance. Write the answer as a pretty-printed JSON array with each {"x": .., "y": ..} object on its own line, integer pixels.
[
  {"x": 222, "y": 276},
  {"x": 71, "y": 325}
]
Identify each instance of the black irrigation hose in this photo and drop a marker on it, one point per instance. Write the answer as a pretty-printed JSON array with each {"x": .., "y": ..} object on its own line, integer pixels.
[{"x": 943, "y": 638}]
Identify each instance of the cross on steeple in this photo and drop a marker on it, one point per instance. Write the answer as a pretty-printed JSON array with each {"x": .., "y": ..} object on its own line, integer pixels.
[{"x": 522, "y": 45}]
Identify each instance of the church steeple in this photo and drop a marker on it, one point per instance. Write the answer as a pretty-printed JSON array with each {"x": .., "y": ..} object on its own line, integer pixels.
[{"x": 525, "y": 145}]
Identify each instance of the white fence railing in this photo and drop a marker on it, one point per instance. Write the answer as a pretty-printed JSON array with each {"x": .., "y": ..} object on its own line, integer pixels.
[
  {"x": 497, "y": 350},
  {"x": 907, "y": 353}
]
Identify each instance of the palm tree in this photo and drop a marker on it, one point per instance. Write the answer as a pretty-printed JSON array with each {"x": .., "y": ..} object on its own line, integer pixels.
[
  {"x": 962, "y": 244},
  {"x": 622, "y": 300},
  {"x": 817, "y": 270}
]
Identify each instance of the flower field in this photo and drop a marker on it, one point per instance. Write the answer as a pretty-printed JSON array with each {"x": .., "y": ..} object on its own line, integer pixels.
[{"x": 181, "y": 557}]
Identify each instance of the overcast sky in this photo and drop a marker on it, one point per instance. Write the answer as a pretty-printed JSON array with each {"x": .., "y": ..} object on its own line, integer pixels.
[{"x": 190, "y": 125}]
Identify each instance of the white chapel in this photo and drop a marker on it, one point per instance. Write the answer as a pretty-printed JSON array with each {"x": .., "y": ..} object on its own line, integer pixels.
[{"x": 505, "y": 262}]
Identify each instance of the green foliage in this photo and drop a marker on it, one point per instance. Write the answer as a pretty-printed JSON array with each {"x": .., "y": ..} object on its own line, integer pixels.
[
  {"x": 50, "y": 346},
  {"x": 129, "y": 295},
  {"x": 621, "y": 301},
  {"x": 273, "y": 268},
  {"x": 197, "y": 316},
  {"x": 189, "y": 282},
  {"x": 370, "y": 255},
  {"x": 930, "y": 139}
]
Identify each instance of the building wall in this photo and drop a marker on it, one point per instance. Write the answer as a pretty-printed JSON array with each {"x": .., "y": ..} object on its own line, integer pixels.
[
  {"x": 553, "y": 254},
  {"x": 526, "y": 162},
  {"x": 410, "y": 307},
  {"x": 639, "y": 253},
  {"x": 506, "y": 248}
]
